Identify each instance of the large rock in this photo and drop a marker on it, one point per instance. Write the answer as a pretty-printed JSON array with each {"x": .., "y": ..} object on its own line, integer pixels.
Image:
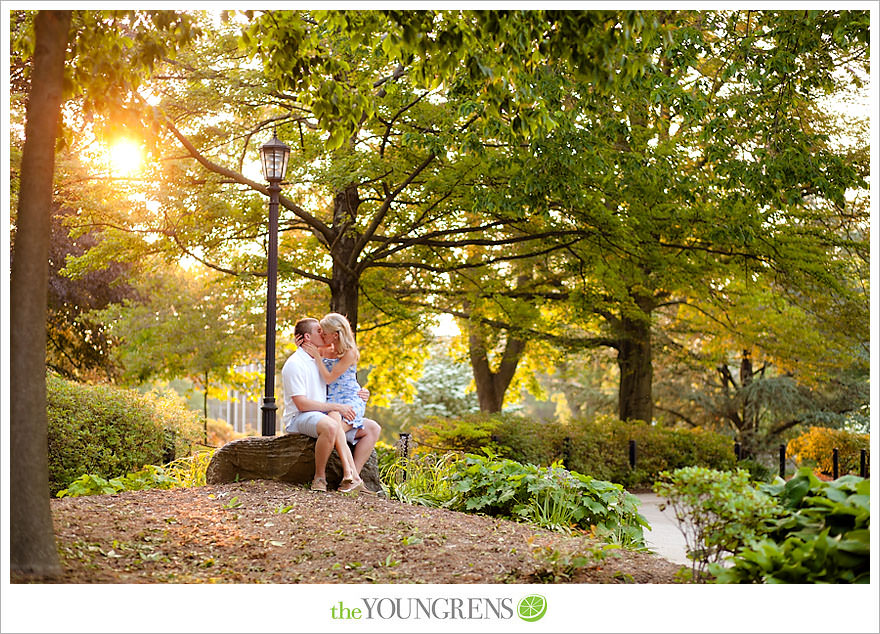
[{"x": 289, "y": 458}]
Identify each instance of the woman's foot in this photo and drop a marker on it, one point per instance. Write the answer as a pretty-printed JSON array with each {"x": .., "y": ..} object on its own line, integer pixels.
[
  {"x": 349, "y": 485},
  {"x": 319, "y": 484}
]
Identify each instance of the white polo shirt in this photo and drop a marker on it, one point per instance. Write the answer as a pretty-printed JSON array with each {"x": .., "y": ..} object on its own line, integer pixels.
[{"x": 300, "y": 377}]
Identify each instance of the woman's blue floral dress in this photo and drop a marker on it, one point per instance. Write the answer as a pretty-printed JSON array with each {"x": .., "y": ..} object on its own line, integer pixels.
[{"x": 345, "y": 390}]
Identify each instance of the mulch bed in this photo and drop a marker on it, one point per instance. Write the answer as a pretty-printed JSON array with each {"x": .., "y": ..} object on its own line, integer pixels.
[{"x": 273, "y": 532}]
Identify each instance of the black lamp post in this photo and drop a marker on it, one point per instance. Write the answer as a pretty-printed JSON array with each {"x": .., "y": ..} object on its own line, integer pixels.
[{"x": 273, "y": 156}]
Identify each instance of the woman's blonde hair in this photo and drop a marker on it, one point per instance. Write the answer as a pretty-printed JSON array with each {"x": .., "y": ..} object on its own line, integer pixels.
[{"x": 334, "y": 322}]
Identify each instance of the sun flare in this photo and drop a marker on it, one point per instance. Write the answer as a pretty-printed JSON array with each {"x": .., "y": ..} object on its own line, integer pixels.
[{"x": 125, "y": 157}]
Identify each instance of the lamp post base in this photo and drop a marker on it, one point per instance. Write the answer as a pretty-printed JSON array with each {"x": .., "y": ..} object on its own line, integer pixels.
[{"x": 269, "y": 408}]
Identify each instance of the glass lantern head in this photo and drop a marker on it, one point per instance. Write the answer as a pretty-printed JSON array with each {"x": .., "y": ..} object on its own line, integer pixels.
[{"x": 273, "y": 156}]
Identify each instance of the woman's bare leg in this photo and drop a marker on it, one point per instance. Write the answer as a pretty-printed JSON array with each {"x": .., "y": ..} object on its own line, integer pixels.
[{"x": 342, "y": 449}]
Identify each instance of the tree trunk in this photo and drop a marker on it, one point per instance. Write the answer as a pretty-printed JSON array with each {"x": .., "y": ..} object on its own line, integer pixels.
[
  {"x": 345, "y": 281},
  {"x": 491, "y": 386},
  {"x": 635, "y": 399},
  {"x": 32, "y": 541}
]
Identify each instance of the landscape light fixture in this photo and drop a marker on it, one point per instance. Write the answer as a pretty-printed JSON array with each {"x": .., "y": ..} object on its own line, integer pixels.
[{"x": 273, "y": 156}]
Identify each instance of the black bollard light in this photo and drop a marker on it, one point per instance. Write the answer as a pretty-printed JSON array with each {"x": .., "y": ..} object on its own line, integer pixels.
[{"x": 404, "y": 450}]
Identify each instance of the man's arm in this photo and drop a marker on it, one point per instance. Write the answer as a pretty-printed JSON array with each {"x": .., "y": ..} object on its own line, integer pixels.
[{"x": 304, "y": 404}]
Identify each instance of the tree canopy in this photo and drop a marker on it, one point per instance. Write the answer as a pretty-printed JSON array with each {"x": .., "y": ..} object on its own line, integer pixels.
[{"x": 676, "y": 188}]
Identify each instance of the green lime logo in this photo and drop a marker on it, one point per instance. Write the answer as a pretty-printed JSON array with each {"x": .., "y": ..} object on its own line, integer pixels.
[{"x": 532, "y": 608}]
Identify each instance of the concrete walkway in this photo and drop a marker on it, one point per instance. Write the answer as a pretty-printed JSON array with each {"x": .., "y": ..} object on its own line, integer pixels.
[{"x": 664, "y": 537}]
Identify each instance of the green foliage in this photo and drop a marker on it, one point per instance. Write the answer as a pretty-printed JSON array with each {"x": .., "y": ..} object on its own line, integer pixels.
[
  {"x": 717, "y": 511},
  {"x": 492, "y": 53},
  {"x": 440, "y": 391},
  {"x": 189, "y": 324},
  {"x": 598, "y": 447},
  {"x": 758, "y": 472},
  {"x": 552, "y": 497},
  {"x": 183, "y": 472},
  {"x": 107, "y": 431},
  {"x": 824, "y": 537},
  {"x": 78, "y": 345},
  {"x": 425, "y": 480},
  {"x": 561, "y": 565}
]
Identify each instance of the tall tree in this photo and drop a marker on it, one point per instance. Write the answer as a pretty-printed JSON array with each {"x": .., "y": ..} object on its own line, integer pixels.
[
  {"x": 32, "y": 542},
  {"x": 45, "y": 40},
  {"x": 719, "y": 163},
  {"x": 388, "y": 134}
]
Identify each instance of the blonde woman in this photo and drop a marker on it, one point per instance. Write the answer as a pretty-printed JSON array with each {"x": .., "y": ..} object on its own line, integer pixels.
[{"x": 337, "y": 365}]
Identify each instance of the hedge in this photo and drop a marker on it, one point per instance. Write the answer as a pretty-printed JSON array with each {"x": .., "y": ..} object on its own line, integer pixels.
[
  {"x": 598, "y": 448},
  {"x": 815, "y": 447},
  {"x": 109, "y": 431}
]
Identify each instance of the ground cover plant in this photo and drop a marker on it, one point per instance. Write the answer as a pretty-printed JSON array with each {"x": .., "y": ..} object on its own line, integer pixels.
[
  {"x": 805, "y": 530},
  {"x": 188, "y": 471},
  {"x": 822, "y": 537},
  {"x": 552, "y": 497}
]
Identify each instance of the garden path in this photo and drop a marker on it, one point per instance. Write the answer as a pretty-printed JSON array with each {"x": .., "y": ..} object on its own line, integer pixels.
[{"x": 664, "y": 538}]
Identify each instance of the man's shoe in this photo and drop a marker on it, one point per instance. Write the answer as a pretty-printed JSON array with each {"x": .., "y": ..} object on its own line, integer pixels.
[{"x": 319, "y": 484}]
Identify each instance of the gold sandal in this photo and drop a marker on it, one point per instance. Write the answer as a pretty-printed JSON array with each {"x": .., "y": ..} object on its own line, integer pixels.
[
  {"x": 351, "y": 486},
  {"x": 319, "y": 484}
]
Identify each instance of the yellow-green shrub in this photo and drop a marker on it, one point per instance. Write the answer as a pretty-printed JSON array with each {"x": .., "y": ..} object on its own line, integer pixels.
[
  {"x": 108, "y": 431},
  {"x": 814, "y": 448},
  {"x": 598, "y": 448}
]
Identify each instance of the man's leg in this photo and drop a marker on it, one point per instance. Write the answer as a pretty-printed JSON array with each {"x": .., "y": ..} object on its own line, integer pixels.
[
  {"x": 327, "y": 430},
  {"x": 367, "y": 437}
]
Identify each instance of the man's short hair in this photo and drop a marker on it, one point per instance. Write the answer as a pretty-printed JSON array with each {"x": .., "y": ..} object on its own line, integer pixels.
[{"x": 304, "y": 326}]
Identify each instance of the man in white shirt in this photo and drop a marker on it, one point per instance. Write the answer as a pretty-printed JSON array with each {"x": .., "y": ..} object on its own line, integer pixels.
[{"x": 306, "y": 408}]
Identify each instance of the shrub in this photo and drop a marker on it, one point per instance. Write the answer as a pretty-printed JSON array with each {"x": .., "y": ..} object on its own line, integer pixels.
[
  {"x": 551, "y": 497},
  {"x": 758, "y": 472},
  {"x": 824, "y": 537},
  {"x": 108, "y": 432},
  {"x": 468, "y": 434},
  {"x": 220, "y": 432},
  {"x": 599, "y": 448},
  {"x": 815, "y": 448},
  {"x": 717, "y": 512}
]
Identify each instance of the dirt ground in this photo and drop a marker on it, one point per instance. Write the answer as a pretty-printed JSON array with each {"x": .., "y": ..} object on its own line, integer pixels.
[{"x": 272, "y": 532}]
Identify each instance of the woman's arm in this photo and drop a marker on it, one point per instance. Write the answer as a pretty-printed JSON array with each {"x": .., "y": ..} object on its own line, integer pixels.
[{"x": 345, "y": 361}]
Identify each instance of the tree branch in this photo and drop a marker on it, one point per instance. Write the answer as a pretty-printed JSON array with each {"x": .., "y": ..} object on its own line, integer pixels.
[{"x": 313, "y": 223}]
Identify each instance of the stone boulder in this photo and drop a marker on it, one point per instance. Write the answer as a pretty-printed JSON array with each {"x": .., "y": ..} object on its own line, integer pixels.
[{"x": 289, "y": 458}]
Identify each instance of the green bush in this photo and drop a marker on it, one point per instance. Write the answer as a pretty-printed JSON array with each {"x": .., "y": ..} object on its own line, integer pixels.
[
  {"x": 824, "y": 536},
  {"x": 717, "y": 512},
  {"x": 599, "y": 448},
  {"x": 551, "y": 497},
  {"x": 107, "y": 431}
]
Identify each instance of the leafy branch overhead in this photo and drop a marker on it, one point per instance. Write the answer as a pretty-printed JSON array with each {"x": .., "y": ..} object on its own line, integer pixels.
[{"x": 672, "y": 168}]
